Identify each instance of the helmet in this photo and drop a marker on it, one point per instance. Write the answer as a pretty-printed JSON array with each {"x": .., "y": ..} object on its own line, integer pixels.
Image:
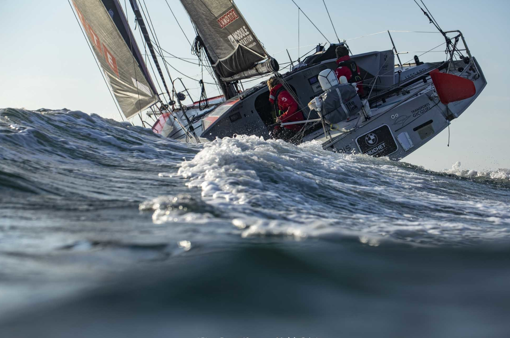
[{"x": 327, "y": 79}]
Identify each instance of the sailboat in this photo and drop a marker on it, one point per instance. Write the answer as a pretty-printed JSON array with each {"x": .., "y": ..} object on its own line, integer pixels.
[{"x": 407, "y": 104}]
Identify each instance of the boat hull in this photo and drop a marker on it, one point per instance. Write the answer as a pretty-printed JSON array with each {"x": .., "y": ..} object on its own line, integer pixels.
[
  {"x": 409, "y": 125},
  {"x": 400, "y": 124}
]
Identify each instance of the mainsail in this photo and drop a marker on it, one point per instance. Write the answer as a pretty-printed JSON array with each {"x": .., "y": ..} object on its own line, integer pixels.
[
  {"x": 118, "y": 54},
  {"x": 232, "y": 46}
]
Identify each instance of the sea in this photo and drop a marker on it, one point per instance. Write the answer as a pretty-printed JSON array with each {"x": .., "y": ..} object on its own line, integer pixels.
[{"x": 108, "y": 230}]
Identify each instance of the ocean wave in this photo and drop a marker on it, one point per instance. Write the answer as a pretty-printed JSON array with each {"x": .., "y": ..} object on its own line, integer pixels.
[
  {"x": 496, "y": 175},
  {"x": 63, "y": 152},
  {"x": 75, "y": 135},
  {"x": 275, "y": 188},
  {"x": 255, "y": 187}
]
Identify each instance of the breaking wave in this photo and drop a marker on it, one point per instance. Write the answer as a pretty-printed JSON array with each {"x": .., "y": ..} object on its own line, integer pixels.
[
  {"x": 500, "y": 175},
  {"x": 275, "y": 188},
  {"x": 255, "y": 187},
  {"x": 108, "y": 220}
]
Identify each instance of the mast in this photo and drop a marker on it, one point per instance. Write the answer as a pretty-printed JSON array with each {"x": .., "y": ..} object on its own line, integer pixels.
[
  {"x": 148, "y": 41},
  {"x": 145, "y": 32}
]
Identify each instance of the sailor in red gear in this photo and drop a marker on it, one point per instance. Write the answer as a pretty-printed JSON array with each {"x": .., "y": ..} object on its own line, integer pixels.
[
  {"x": 286, "y": 108},
  {"x": 348, "y": 68}
]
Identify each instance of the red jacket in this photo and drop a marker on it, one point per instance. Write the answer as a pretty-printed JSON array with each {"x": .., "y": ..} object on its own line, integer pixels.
[
  {"x": 345, "y": 71},
  {"x": 288, "y": 106}
]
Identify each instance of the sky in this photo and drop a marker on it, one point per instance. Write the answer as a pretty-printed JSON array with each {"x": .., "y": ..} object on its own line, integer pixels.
[{"x": 45, "y": 61}]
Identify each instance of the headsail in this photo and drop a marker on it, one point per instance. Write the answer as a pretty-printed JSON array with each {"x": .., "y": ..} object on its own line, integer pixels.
[
  {"x": 231, "y": 44},
  {"x": 118, "y": 54}
]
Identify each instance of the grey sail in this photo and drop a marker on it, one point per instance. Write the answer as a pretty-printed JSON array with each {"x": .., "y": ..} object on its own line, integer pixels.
[
  {"x": 230, "y": 43},
  {"x": 118, "y": 54}
]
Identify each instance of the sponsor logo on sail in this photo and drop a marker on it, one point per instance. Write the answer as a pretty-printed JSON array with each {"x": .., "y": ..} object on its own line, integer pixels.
[
  {"x": 94, "y": 38},
  {"x": 242, "y": 37},
  {"x": 110, "y": 59},
  {"x": 228, "y": 18}
]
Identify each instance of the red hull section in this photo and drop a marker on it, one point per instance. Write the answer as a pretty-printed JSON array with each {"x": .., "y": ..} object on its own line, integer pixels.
[{"x": 160, "y": 124}]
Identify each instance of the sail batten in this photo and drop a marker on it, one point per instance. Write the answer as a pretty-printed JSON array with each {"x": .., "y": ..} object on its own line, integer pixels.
[
  {"x": 118, "y": 54},
  {"x": 230, "y": 42}
]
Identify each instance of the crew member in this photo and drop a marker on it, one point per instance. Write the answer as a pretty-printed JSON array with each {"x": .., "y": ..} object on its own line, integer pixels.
[
  {"x": 348, "y": 68},
  {"x": 286, "y": 109}
]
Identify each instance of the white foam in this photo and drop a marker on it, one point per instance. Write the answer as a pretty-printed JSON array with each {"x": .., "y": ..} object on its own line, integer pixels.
[
  {"x": 279, "y": 189},
  {"x": 500, "y": 174}
]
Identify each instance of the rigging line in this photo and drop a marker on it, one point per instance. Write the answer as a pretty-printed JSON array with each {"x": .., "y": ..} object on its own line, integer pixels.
[
  {"x": 391, "y": 31},
  {"x": 173, "y": 56},
  {"x": 165, "y": 62},
  {"x": 204, "y": 59},
  {"x": 162, "y": 49},
  {"x": 97, "y": 62},
  {"x": 201, "y": 57},
  {"x": 376, "y": 78},
  {"x": 298, "y": 36},
  {"x": 332, "y": 24},
  {"x": 138, "y": 104},
  {"x": 150, "y": 64},
  {"x": 153, "y": 32},
  {"x": 163, "y": 58},
  {"x": 299, "y": 57},
  {"x": 136, "y": 76},
  {"x": 151, "y": 27},
  {"x": 148, "y": 18},
  {"x": 418, "y": 32},
  {"x": 209, "y": 69},
  {"x": 178, "y": 58},
  {"x": 189, "y": 77},
  {"x": 437, "y": 24},
  {"x": 183, "y": 59},
  {"x": 449, "y": 135},
  {"x": 428, "y": 15},
  {"x": 178, "y": 23},
  {"x": 140, "y": 20},
  {"x": 430, "y": 50},
  {"x": 308, "y": 53},
  {"x": 311, "y": 22}
]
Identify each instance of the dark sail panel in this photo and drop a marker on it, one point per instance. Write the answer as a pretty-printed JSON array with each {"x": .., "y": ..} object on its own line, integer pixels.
[
  {"x": 118, "y": 54},
  {"x": 230, "y": 42}
]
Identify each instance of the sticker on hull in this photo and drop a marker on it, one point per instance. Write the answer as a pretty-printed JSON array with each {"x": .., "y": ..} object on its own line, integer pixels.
[{"x": 377, "y": 143}]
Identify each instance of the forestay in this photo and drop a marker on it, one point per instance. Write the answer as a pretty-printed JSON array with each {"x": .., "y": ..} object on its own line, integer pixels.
[
  {"x": 118, "y": 54},
  {"x": 230, "y": 42}
]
